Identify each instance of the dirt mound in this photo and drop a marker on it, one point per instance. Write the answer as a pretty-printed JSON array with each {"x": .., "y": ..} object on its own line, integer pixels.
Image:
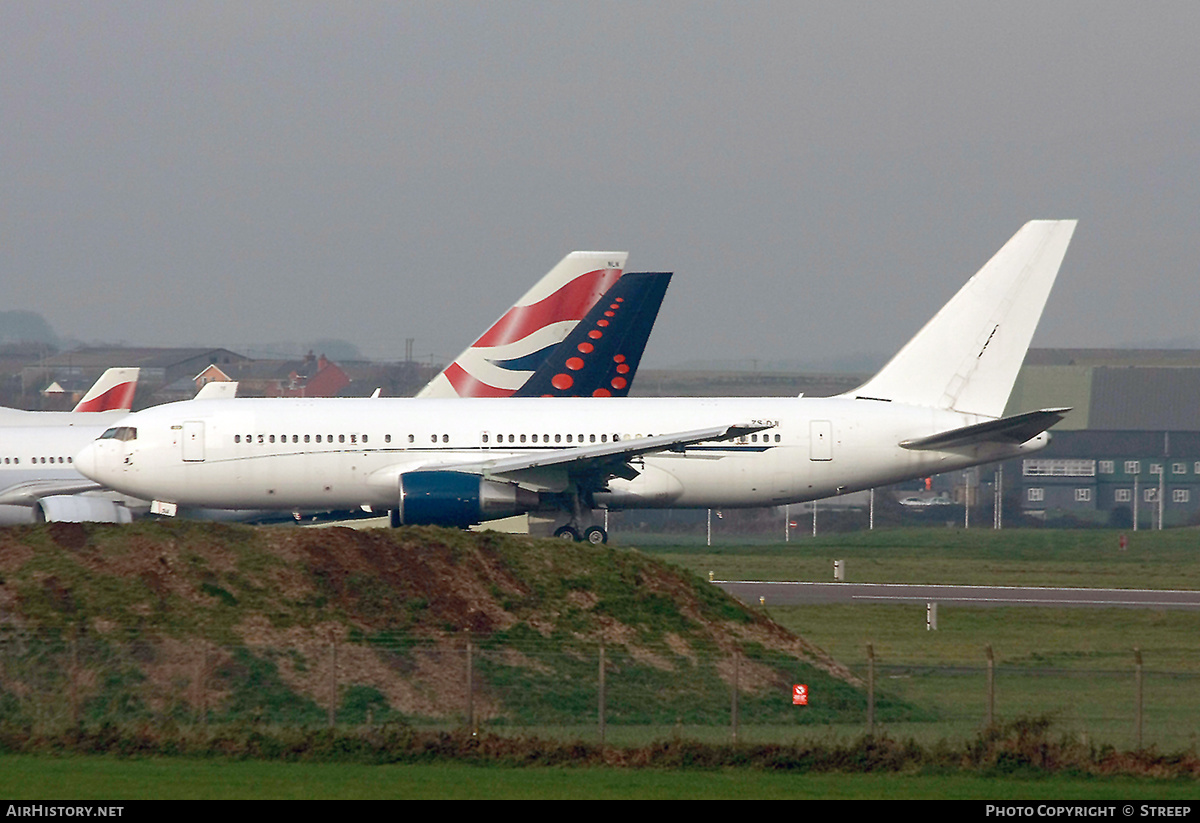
[{"x": 297, "y": 624}]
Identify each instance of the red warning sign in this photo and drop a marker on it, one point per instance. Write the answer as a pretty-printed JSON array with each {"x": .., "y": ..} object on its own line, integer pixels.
[{"x": 799, "y": 695}]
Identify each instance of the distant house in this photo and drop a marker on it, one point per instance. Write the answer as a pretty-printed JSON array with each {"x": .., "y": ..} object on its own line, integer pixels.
[
  {"x": 316, "y": 377},
  {"x": 311, "y": 376},
  {"x": 160, "y": 367},
  {"x": 212, "y": 374},
  {"x": 66, "y": 392}
]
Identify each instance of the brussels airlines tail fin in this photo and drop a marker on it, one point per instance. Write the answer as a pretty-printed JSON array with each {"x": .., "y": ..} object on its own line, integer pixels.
[
  {"x": 524, "y": 337},
  {"x": 601, "y": 356},
  {"x": 112, "y": 392},
  {"x": 967, "y": 357}
]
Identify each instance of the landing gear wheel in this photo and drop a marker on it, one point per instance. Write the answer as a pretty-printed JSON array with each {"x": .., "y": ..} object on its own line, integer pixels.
[
  {"x": 566, "y": 533},
  {"x": 596, "y": 536}
]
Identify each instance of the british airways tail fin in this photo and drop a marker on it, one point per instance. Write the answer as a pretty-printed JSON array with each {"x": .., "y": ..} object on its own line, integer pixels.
[
  {"x": 967, "y": 357},
  {"x": 112, "y": 392},
  {"x": 601, "y": 356},
  {"x": 526, "y": 334}
]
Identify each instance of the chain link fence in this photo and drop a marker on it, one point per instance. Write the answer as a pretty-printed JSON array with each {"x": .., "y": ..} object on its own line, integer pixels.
[{"x": 612, "y": 692}]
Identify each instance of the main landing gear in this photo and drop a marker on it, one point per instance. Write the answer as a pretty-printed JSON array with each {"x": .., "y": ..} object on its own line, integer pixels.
[
  {"x": 574, "y": 530},
  {"x": 592, "y": 534}
]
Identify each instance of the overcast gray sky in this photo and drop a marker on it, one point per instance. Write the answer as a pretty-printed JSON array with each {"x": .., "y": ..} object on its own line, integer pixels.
[{"x": 820, "y": 176}]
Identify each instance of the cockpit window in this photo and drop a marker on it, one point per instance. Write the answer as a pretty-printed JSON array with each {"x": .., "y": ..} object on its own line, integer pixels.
[{"x": 120, "y": 433}]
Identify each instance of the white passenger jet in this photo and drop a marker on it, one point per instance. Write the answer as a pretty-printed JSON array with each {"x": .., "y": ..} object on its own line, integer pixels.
[
  {"x": 112, "y": 395},
  {"x": 38, "y": 480},
  {"x": 935, "y": 407}
]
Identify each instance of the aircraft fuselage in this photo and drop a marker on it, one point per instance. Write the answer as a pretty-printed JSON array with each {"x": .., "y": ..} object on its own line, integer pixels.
[{"x": 341, "y": 453}]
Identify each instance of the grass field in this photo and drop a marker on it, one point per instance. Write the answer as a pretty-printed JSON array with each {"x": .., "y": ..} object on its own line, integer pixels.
[
  {"x": 99, "y": 778},
  {"x": 1074, "y": 665}
]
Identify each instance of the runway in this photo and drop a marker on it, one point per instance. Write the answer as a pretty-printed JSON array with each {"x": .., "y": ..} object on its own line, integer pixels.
[{"x": 781, "y": 593}]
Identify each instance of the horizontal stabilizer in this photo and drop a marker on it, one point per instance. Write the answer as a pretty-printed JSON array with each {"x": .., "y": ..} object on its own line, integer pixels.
[{"x": 1016, "y": 429}]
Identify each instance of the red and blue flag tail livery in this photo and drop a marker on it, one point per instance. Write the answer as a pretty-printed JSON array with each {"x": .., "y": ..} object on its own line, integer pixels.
[
  {"x": 601, "y": 356},
  {"x": 112, "y": 392},
  {"x": 507, "y": 354}
]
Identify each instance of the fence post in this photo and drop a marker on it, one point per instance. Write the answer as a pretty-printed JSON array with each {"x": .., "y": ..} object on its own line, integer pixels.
[
  {"x": 733, "y": 711},
  {"x": 470, "y": 689},
  {"x": 204, "y": 690},
  {"x": 72, "y": 674},
  {"x": 601, "y": 707},
  {"x": 1137, "y": 699},
  {"x": 333, "y": 684},
  {"x": 870, "y": 690},
  {"x": 991, "y": 686}
]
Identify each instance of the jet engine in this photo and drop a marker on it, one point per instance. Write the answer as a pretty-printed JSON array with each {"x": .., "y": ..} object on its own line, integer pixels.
[
  {"x": 79, "y": 508},
  {"x": 448, "y": 498}
]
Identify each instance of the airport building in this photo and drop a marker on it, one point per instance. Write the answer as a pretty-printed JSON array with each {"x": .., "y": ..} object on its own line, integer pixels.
[{"x": 1131, "y": 444}]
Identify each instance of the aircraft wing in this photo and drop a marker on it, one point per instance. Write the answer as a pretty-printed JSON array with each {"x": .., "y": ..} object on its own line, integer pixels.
[
  {"x": 1008, "y": 430},
  {"x": 30, "y": 492},
  {"x": 592, "y": 465},
  {"x": 595, "y": 464}
]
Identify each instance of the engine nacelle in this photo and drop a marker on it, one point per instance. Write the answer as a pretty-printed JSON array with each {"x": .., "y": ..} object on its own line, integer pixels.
[
  {"x": 448, "y": 498},
  {"x": 80, "y": 508}
]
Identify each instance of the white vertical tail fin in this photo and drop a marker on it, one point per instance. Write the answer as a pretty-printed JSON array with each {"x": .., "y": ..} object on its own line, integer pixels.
[
  {"x": 967, "y": 357},
  {"x": 509, "y": 352}
]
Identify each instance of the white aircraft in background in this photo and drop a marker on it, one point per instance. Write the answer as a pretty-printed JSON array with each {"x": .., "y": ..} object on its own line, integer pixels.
[
  {"x": 39, "y": 482},
  {"x": 37, "y": 453},
  {"x": 112, "y": 395},
  {"x": 936, "y": 406}
]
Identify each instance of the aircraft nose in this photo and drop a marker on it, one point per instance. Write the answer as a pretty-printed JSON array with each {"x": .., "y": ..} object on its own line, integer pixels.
[{"x": 85, "y": 461}]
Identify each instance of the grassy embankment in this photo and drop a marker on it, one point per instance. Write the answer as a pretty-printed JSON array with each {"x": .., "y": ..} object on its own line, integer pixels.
[{"x": 1073, "y": 664}]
